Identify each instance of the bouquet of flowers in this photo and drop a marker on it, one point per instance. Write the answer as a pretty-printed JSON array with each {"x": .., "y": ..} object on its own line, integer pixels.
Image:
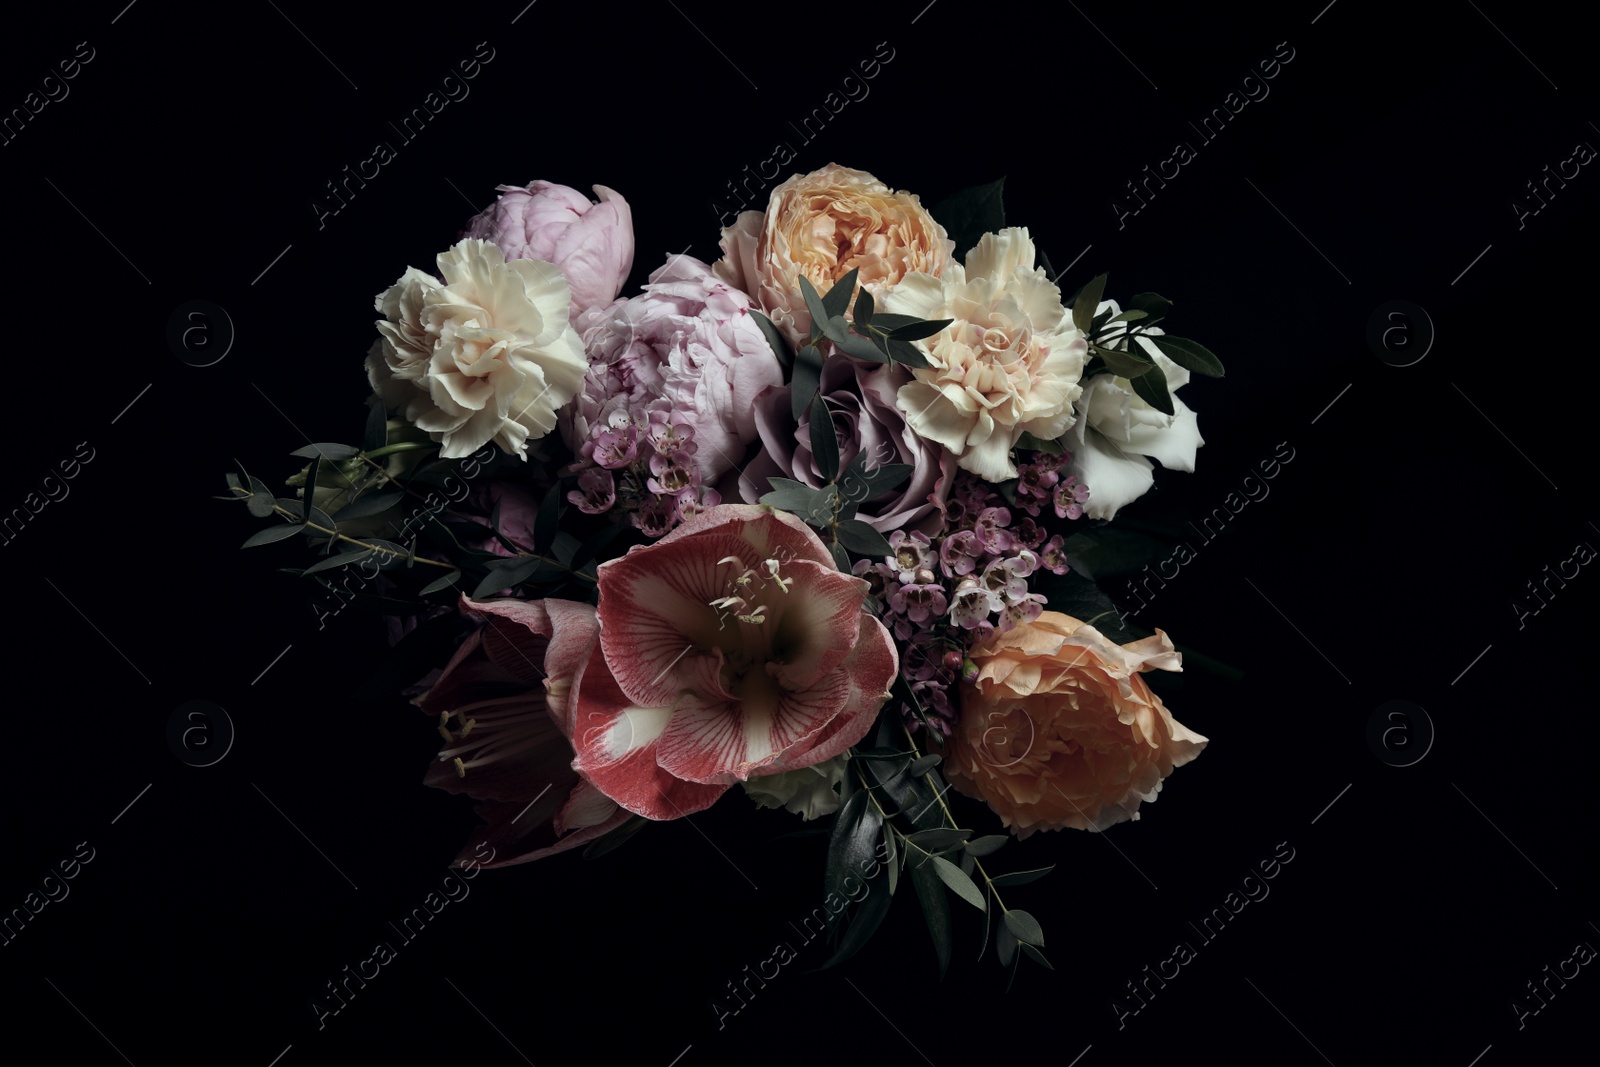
[{"x": 797, "y": 524}]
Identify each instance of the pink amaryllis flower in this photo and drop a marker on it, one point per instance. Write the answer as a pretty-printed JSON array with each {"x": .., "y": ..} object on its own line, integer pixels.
[
  {"x": 731, "y": 648},
  {"x": 502, "y": 704}
]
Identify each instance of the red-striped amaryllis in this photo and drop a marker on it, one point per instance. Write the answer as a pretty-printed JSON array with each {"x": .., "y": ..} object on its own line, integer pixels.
[
  {"x": 729, "y": 649},
  {"x": 502, "y": 707}
]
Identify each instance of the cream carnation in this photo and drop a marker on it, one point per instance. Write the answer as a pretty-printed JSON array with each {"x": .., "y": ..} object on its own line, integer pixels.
[
  {"x": 485, "y": 355},
  {"x": 1008, "y": 364}
]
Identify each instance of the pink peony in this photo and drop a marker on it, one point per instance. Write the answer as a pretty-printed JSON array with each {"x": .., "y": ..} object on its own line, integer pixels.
[
  {"x": 591, "y": 243},
  {"x": 730, "y": 649},
  {"x": 685, "y": 346},
  {"x": 502, "y": 703},
  {"x": 861, "y": 399}
]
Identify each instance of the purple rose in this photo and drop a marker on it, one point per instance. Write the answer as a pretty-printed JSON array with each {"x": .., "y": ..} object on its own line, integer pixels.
[
  {"x": 591, "y": 243},
  {"x": 861, "y": 398},
  {"x": 681, "y": 363}
]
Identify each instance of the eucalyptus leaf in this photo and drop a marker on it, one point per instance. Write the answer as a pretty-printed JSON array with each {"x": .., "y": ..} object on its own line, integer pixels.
[
  {"x": 1020, "y": 877},
  {"x": 775, "y": 339},
  {"x": 983, "y": 846},
  {"x": 889, "y": 321},
  {"x": 861, "y": 348},
  {"x": 907, "y": 353},
  {"x": 807, "y": 376},
  {"x": 1005, "y": 943},
  {"x": 814, "y": 304},
  {"x": 916, "y": 331},
  {"x": 370, "y": 504},
  {"x": 790, "y": 495},
  {"x": 863, "y": 540},
  {"x": 615, "y": 837},
  {"x": 958, "y": 882},
  {"x": 376, "y": 433},
  {"x": 331, "y": 452},
  {"x": 1036, "y": 956},
  {"x": 837, "y": 299},
  {"x": 824, "y": 439},
  {"x": 440, "y": 583},
  {"x": 273, "y": 533},
  {"x": 887, "y": 477},
  {"x": 939, "y": 839},
  {"x": 841, "y": 558},
  {"x": 340, "y": 560},
  {"x": 1025, "y": 927},
  {"x": 864, "y": 309},
  {"x": 548, "y": 519}
]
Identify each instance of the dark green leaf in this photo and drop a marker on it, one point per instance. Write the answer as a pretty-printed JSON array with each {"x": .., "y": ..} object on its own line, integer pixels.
[
  {"x": 548, "y": 521},
  {"x": 1020, "y": 877},
  {"x": 233, "y": 483},
  {"x": 888, "y": 321},
  {"x": 907, "y": 353},
  {"x": 339, "y": 560},
  {"x": 1127, "y": 364},
  {"x": 924, "y": 764},
  {"x": 807, "y": 375},
  {"x": 1153, "y": 304},
  {"x": 597, "y": 544},
  {"x": 1131, "y": 315},
  {"x": 440, "y": 583},
  {"x": 505, "y": 575},
  {"x": 814, "y": 304},
  {"x": 312, "y": 480},
  {"x": 838, "y": 297},
  {"x": 1025, "y": 927},
  {"x": 854, "y": 841},
  {"x": 790, "y": 495},
  {"x": 1029, "y": 443},
  {"x": 936, "y": 910},
  {"x": 958, "y": 882},
  {"x": 1036, "y": 956},
  {"x": 260, "y": 502},
  {"x": 1190, "y": 355},
  {"x": 376, "y": 434},
  {"x": 862, "y": 539},
  {"x": 864, "y": 923},
  {"x": 971, "y": 213},
  {"x": 331, "y": 452},
  {"x": 1005, "y": 943},
  {"x": 983, "y": 846},
  {"x": 862, "y": 316},
  {"x": 273, "y": 533},
  {"x": 1073, "y": 594},
  {"x": 775, "y": 340},
  {"x": 614, "y": 838},
  {"x": 564, "y": 547},
  {"x": 861, "y": 348},
  {"x": 824, "y": 441},
  {"x": 937, "y": 840},
  {"x": 841, "y": 558},
  {"x": 370, "y": 504},
  {"x": 395, "y": 556},
  {"x": 1152, "y": 389},
  {"x": 887, "y": 477},
  {"x": 1083, "y": 308},
  {"x": 916, "y": 331}
]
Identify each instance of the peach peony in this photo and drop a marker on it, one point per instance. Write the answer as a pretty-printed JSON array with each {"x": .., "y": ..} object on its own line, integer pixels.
[
  {"x": 823, "y": 225},
  {"x": 1058, "y": 729}
]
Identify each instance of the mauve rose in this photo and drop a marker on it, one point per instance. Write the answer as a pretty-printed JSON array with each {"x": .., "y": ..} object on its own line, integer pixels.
[
  {"x": 861, "y": 398},
  {"x": 591, "y": 243},
  {"x": 687, "y": 339}
]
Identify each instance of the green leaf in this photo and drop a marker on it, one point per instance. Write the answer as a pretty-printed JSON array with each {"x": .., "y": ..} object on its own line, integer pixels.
[
  {"x": 854, "y": 841},
  {"x": 907, "y": 353},
  {"x": 440, "y": 583},
  {"x": 260, "y": 502},
  {"x": 1020, "y": 877},
  {"x": 790, "y": 495},
  {"x": 273, "y": 533},
  {"x": 1029, "y": 443},
  {"x": 1025, "y": 927},
  {"x": 983, "y": 846},
  {"x": 887, "y": 477},
  {"x": 505, "y": 574},
  {"x": 371, "y": 504},
  {"x": 971, "y": 213},
  {"x": 376, "y": 434},
  {"x": 775, "y": 339},
  {"x": 396, "y": 556},
  {"x": 916, "y": 331},
  {"x": 824, "y": 441},
  {"x": 862, "y": 539},
  {"x": 862, "y": 316},
  {"x": 312, "y": 482},
  {"x": 803, "y": 384},
  {"x": 1152, "y": 389},
  {"x": 548, "y": 521},
  {"x": 331, "y": 452},
  {"x": 959, "y": 883},
  {"x": 1127, "y": 364},
  {"x": 888, "y": 321},
  {"x": 563, "y": 547},
  {"x": 1153, "y": 304},
  {"x": 339, "y": 560},
  {"x": 1131, "y": 315},
  {"x": 938, "y": 839},
  {"x": 818, "y": 310},
  {"x": 597, "y": 544},
  {"x": 1005, "y": 943},
  {"x": 1036, "y": 956},
  {"x": 891, "y": 860},
  {"x": 861, "y": 348},
  {"x": 841, "y": 558},
  {"x": 1083, "y": 308},
  {"x": 615, "y": 838},
  {"x": 1190, "y": 355},
  {"x": 924, "y": 764},
  {"x": 864, "y": 923},
  {"x": 838, "y": 297},
  {"x": 936, "y": 910}
]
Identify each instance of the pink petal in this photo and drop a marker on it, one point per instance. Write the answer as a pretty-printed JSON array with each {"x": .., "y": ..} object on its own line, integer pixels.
[
  {"x": 513, "y": 835},
  {"x": 617, "y": 741},
  {"x": 816, "y": 622},
  {"x": 871, "y": 670},
  {"x": 723, "y": 741}
]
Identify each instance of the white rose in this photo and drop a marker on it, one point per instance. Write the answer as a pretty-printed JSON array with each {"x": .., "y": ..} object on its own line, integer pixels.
[
  {"x": 486, "y": 355},
  {"x": 1009, "y": 363},
  {"x": 1116, "y": 429},
  {"x": 810, "y": 792}
]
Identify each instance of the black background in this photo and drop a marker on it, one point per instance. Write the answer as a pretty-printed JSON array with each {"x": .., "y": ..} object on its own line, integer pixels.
[{"x": 1383, "y": 566}]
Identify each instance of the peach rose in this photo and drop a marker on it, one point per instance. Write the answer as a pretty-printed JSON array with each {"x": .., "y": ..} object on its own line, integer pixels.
[
  {"x": 823, "y": 225},
  {"x": 1058, "y": 729}
]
